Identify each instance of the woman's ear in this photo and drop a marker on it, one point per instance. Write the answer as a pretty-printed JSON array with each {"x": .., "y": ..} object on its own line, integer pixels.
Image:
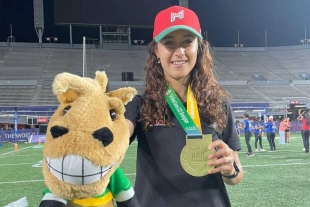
[{"x": 156, "y": 51}]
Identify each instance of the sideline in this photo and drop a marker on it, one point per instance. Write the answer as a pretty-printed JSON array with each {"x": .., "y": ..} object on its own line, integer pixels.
[{"x": 16, "y": 151}]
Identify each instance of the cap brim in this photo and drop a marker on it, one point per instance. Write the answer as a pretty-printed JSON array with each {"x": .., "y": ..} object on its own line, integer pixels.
[{"x": 161, "y": 35}]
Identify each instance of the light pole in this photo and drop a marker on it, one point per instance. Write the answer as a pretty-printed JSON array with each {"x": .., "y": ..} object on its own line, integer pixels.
[
  {"x": 238, "y": 44},
  {"x": 305, "y": 41}
]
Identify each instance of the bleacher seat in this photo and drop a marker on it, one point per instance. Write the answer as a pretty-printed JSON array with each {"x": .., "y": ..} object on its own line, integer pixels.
[{"x": 40, "y": 65}]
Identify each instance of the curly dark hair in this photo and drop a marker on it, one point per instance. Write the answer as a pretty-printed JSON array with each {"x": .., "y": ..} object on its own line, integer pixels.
[{"x": 210, "y": 96}]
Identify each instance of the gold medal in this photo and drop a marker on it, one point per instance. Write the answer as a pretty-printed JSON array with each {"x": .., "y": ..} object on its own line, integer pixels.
[{"x": 194, "y": 156}]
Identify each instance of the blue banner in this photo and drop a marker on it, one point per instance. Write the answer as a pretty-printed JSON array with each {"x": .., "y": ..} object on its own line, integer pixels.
[
  {"x": 37, "y": 139},
  {"x": 15, "y": 125},
  {"x": 21, "y": 135}
]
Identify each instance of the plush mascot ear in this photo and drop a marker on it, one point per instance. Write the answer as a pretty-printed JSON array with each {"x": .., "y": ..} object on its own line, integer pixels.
[
  {"x": 68, "y": 96},
  {"x": 124, "y": 94},
  {"x": 102, "y": 79},
  {"x": 67, "y": 87}
]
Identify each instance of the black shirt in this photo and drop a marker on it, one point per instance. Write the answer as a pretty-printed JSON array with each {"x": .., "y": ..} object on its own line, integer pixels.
[{"x": 160, "y": 179}]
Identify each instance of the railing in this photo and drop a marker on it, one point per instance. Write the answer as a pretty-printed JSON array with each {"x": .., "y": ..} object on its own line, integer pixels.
[{"x": 116, "y": 41}]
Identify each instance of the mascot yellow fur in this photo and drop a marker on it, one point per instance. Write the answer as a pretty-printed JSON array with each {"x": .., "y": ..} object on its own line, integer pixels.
[{"x": 87, "y": 138}]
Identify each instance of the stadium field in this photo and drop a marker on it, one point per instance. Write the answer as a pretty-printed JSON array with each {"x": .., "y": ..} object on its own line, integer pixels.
[{"x": 271, "y": 179}]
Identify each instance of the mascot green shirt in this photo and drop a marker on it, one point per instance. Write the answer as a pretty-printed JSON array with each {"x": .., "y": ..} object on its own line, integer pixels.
[{"x": 119, "y": 188}]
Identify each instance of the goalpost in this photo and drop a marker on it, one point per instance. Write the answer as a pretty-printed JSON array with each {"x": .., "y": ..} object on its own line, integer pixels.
[{"x": 84, "y": 56}]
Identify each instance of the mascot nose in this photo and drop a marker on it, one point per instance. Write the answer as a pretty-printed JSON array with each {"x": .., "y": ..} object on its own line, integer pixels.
[
  {"x": 104, "y": 135},
  {"x": 58, "y": 131}
]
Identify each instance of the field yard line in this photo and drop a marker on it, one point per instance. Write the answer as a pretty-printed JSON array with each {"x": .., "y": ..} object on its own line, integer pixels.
[
  {"x": 270, "y": 165},
  {"x": 293, "y": 160},
  {"x": 15, "y": 151},
  {"x": 265, "y": 138},
  {"x": 25, "y": 155},
  {"x": 242, "y": 166},
  {"x": 292, "y": 150},
  {"x": 21, "y": 181},
  {"x": 277, "y": 157},
  {"x": 261, "y": 154},
  {"x": 16, "y": 164},
  {"x": 267, "y": 151},
  {"x": 23, "y": 202},
  {"x": 130, "y": 158}
]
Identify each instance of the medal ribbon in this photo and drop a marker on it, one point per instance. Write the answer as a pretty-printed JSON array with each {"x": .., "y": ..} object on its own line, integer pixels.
[
  {"x": 192, "y": 108},
  {"x": 189, "y": 120}
]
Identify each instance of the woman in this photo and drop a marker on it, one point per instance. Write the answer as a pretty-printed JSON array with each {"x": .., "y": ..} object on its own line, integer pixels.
[
  {"x": 305, "y": 120},
  {"x": 258, "y": 135},
  {"x": 179, "y": 71},
  {"x": 247, "y": 127},
  {"x": 271, "y": 133},
  {"x": 237, "y": 126},
  {"x": 282, "y": 131},
  {"x": 287, "y": 130}
]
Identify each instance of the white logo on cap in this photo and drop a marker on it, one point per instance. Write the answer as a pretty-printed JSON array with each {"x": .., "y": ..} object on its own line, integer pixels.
[{"x": 179, "y": 15}]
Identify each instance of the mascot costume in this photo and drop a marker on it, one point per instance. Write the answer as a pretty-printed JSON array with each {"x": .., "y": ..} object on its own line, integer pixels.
[{"x": 87, "y": 138}]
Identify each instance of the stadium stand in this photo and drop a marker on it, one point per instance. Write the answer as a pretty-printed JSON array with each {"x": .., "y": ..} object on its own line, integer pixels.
[
  {"x": 278, "y": 92},
  {"x": 245, "y": 94},
  {"x": 27, "y": 72},
  {"x": 304, "y": 88},
  {"x": 16, "y": 95},
  {"x": 275, "y": 65}
]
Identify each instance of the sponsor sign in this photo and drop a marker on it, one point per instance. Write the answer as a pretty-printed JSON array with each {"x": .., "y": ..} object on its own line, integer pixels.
[
  {"x": 21, "y": 135},
  {"x": 42, "y": 120},
  {"x": 294, "y": 102}
]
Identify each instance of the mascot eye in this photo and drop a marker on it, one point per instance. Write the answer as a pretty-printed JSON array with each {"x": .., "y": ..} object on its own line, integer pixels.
[
  {"x": 112, "y": 115},
  {"x": 66, "y": 110}
]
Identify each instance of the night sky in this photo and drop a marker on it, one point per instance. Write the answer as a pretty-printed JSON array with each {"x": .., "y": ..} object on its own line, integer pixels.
[{"x": 284, "y": 20}]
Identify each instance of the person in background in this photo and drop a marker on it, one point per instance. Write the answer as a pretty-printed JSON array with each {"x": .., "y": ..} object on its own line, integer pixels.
[
  {"x": 252, "y": 126},
  {"x": 179, "y": 76},
  {"x": 287, "y": 130},
  {"x": 305, "y": 120},
  {"x": 247, "y": 134},
  {"x": 237, "y": 125},
  {"x": 271, "y": 133},
  {"x": 258, "y": 135},
  {"x": 282, "y": 131}
]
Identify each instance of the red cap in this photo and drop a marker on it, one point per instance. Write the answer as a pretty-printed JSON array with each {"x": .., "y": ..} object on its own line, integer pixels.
[{"x": 175, "y": 18}]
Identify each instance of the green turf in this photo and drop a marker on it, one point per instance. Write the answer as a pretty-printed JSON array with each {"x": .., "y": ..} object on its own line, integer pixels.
[{"x": 271, "y": 179}]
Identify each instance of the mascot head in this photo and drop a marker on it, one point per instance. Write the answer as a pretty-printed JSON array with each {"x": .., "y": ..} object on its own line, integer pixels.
[{"x": 87, "y": 136}]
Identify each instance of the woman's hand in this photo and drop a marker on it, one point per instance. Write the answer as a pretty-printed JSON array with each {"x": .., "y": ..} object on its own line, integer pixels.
[
  {"x": 223, "y": 159},
  {"x": 299, "y": 112}
]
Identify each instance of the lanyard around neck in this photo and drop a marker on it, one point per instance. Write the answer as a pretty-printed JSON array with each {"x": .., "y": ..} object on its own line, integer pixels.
[{"x": 189, "y": 119}]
